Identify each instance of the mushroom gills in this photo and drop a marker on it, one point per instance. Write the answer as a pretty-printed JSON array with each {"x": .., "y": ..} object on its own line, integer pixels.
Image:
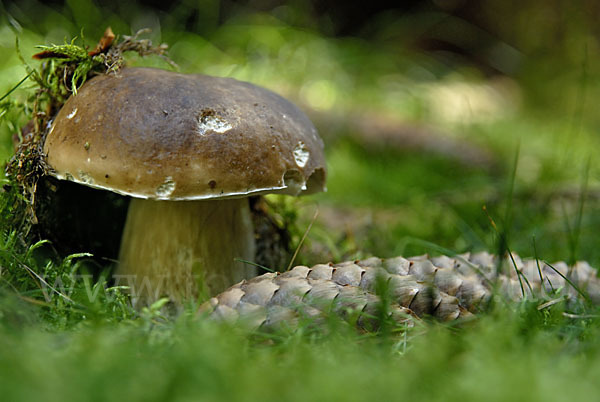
[{"x": 185, "y": 250}]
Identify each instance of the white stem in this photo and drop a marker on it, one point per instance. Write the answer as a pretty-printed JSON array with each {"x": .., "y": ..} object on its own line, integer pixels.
[{"x": 185, "y": 249}]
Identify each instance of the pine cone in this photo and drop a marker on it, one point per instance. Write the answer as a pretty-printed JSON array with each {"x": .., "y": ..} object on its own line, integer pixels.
[{"x": 447, "y": 288}]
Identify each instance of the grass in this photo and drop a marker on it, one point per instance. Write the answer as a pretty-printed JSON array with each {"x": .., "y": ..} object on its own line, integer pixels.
[
  {"x": 383, "y": 200},
  {"x": 502, "y": 357}
]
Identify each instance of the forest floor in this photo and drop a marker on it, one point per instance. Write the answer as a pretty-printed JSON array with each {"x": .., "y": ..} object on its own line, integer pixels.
[{"x": 450, "y": 162}]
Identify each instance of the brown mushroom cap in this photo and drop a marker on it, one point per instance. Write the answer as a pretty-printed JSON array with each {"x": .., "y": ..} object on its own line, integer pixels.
[{"x": 156, "y": 134}]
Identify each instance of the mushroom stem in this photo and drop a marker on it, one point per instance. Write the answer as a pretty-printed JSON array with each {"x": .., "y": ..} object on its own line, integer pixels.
[{"x": 185, "y": 249}]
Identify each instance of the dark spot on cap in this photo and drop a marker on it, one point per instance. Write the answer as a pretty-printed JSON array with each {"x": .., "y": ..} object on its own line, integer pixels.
[{"x": 212, "y": 184}]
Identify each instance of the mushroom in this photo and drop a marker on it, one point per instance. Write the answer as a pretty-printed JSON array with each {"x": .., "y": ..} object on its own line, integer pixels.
[{"x": 188, "y": 150}]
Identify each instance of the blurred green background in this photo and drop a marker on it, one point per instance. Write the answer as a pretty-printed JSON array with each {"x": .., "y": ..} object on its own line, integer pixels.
[
  {"x": 424, "y": 107},
  {"x": 430, "y": 110}
]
